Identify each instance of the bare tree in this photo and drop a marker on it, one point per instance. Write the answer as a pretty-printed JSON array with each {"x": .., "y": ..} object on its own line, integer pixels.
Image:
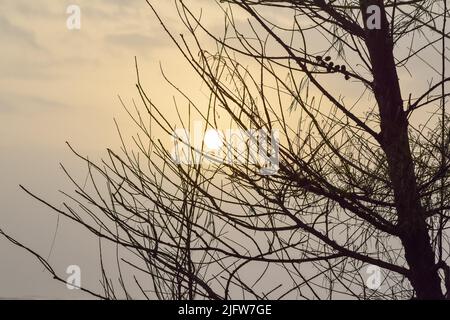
[{"x": 358, "y": 181}]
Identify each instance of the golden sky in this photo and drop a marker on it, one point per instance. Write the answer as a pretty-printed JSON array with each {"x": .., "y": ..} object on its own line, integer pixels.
[{"x": 60, "y": 85}]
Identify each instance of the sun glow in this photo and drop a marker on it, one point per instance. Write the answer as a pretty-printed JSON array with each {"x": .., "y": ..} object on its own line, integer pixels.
[{"x": 213, "y": 139}]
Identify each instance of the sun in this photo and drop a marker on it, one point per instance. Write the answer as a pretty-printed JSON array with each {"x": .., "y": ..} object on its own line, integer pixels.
[{"x": 213, "y": 139}]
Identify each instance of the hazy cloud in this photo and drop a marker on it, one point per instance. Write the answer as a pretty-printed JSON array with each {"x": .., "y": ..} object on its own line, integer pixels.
[
  {"x": 135, "y": 41},
  {"x": 13, "y": 34},
  {"x": 27, "y": 103}
]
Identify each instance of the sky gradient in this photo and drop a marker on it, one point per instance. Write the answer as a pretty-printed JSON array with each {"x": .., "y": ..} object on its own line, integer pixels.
[{"x": 60, "y": 85}]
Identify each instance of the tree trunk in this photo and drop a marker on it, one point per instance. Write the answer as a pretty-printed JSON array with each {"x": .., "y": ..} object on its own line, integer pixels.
[{"x": 412, "y": 225}]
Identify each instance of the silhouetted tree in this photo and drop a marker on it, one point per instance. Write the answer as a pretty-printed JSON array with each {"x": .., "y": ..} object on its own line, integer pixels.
[{"x": 357, "y": 181}]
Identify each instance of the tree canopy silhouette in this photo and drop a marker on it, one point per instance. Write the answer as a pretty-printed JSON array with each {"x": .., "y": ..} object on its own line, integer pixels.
[{"x": 359, "y": 181}]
